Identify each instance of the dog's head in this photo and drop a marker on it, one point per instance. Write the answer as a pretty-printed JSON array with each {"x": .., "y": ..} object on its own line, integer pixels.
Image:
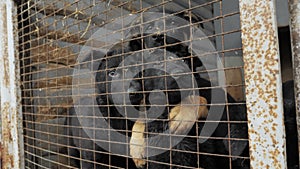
[
  {"x": 124, "y": 78},
  {"x": 112, "y": 79},
  {"x": 167, "y": 32}
]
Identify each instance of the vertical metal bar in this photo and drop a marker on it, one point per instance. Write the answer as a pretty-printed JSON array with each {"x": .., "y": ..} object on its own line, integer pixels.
[
  {"x": 294, "y": 7},
  {"x": 263, "y": 84},
  {"x": 11, "y": 114}
]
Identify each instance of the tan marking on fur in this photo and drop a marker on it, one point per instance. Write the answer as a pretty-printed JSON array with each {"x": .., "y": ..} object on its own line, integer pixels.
[
  {"x": 184, "y": 115},
  {"x": 137, "y": 143},
  {"x": 182, "y": 118}
]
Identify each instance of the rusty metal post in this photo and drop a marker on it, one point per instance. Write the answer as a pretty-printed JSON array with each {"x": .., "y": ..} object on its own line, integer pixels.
[
  {"x": 263, "y": 84},
  {"x": 294, "y": 7},
  {"x": 11, "y": 114}
]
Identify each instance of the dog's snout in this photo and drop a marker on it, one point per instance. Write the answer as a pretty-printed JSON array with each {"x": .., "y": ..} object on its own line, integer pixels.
[{"x": 134, "y": 91}]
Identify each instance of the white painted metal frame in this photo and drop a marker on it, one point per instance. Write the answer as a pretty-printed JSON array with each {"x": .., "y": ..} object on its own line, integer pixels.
[
  {"x": 263, "y": 84},
  {"x": 11, "y": 111}
]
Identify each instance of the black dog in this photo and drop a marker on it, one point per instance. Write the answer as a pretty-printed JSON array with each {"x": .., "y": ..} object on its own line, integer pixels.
[
  {"x": 149, "y": 74},
  {"x": 146, "y": 80},
  {"x": 93, "y": 155},
  {"x": 186, "y": 154}
]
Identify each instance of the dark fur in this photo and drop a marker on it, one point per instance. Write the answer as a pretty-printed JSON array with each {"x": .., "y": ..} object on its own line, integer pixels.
[
  {"x": 214, "y": 146},
  {"x": 152, "y": 81},
  {"x": 169, "y": 40},
  {"x": 159, "y": 81},
  {"x": 93, "y": 155}
]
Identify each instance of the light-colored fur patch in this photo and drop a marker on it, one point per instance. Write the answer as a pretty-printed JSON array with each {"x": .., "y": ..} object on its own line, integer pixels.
[
  {"x": 184, "y": 115},
  {"x": 182, "y": 118},
  {"x": 137, "y": 143}
]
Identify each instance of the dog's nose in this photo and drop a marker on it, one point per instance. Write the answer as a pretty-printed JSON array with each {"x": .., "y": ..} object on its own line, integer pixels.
[{"x": 134, "y": 92}]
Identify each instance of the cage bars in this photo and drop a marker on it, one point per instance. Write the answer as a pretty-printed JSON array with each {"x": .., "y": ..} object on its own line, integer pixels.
[{"x": 260, "y": 51}]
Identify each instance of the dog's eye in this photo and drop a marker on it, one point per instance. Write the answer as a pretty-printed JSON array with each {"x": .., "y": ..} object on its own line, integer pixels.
[
  {"x": 149, "y": 27},
  {"x": 170, "y": 57},
  {"x": 113, "y": 73}
]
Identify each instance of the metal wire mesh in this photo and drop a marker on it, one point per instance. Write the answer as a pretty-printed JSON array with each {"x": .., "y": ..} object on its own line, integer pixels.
[{"x": 166, "y": 64}]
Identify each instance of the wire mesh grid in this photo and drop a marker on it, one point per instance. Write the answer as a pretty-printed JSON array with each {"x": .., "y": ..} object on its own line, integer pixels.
[{"x": 127, "y": 84}]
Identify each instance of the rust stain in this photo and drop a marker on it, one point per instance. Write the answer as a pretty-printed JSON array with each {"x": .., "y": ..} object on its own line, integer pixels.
[
  {"x": 6, "y": 70},
  {"x": 9, "y": 146},
  {"x": 6, "y": 123},
  {"x": 263, "y": 93},
  {"x": 7, "y": 157},
  {"x": 5, "y": 51}
]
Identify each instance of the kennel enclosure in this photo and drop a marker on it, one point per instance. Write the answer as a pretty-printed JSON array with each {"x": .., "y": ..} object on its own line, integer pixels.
[{"x": 42, "y": 42}]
